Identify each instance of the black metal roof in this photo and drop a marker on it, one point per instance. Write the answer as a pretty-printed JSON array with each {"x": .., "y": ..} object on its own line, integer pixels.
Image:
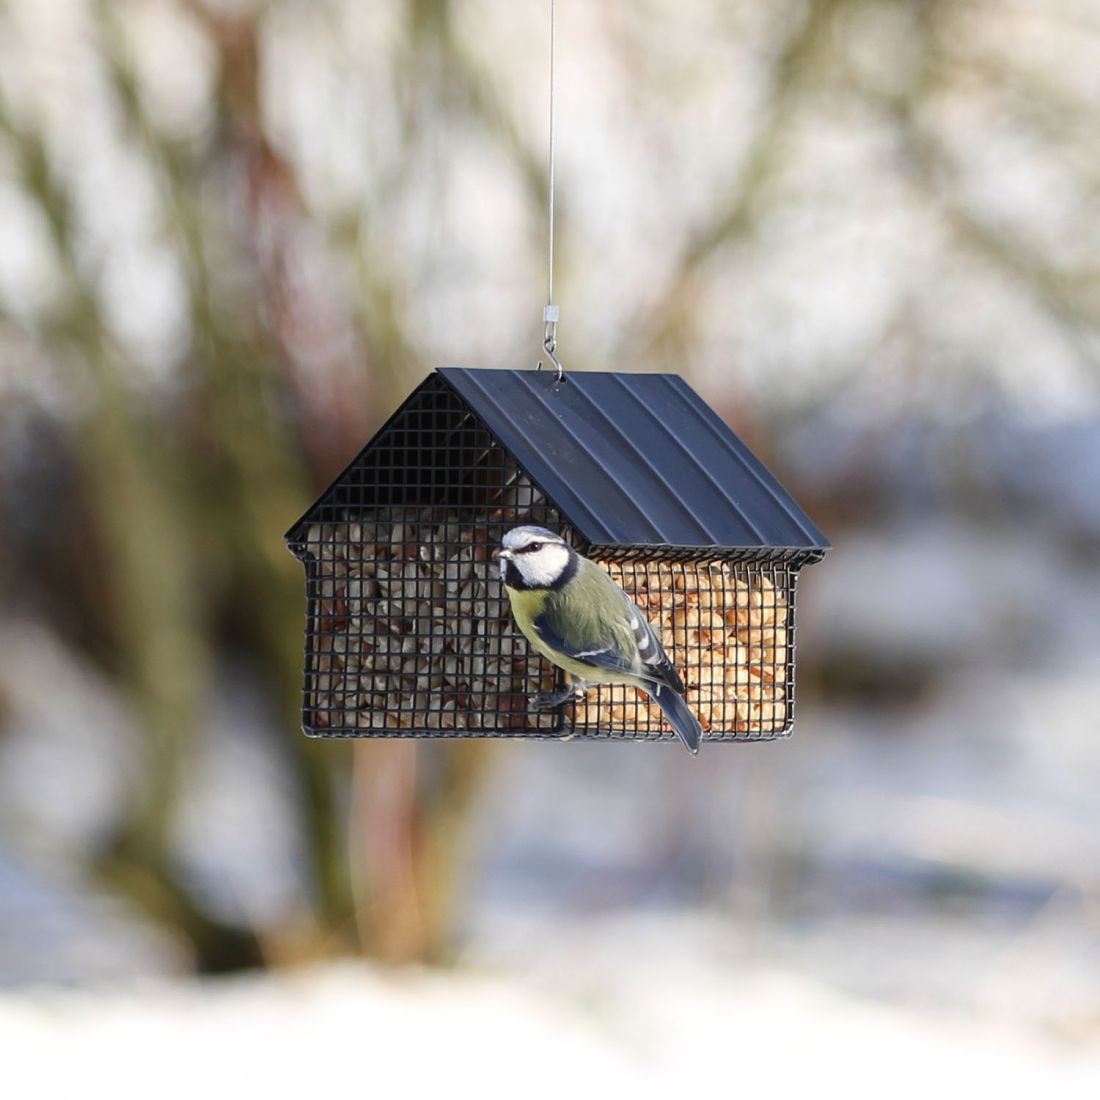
[{"x": 634, "y": 460}]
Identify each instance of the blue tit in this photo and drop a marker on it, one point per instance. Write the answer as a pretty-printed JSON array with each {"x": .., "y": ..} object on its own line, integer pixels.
[{"x": 578, "y": 618}]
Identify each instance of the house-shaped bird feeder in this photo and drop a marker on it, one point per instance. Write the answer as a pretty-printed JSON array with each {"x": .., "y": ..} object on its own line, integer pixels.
[{"x": 409, "y": 631}]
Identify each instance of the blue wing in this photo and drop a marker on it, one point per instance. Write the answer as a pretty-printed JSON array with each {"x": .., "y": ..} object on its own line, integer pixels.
[
  {"x": 609, "y": 656},
  {"x": 630, "y": 647}
]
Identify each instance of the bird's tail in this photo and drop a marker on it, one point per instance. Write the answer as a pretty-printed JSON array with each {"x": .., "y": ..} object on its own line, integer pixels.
[{"x": 680, "y": 717}]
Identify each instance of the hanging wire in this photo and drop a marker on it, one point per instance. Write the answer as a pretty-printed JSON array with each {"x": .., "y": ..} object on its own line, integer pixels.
[
  {"x": 550, "y": 311},
  {"x": 550, "y": 174}
]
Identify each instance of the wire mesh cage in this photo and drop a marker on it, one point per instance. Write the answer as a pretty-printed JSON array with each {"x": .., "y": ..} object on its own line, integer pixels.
[{"x": 409, "y": 630}]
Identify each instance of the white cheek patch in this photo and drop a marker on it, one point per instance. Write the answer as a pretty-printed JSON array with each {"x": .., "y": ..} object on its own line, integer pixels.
[
  {"x": 643, "y": 644},
  {"x": 542, "y": 568}
]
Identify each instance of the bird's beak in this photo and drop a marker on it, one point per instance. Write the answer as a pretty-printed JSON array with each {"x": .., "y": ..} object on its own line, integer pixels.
[{"x": 498, "y": 555}]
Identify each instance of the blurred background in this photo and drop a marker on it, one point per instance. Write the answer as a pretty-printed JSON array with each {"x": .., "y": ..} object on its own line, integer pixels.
[{"x": 235, "y": 233}]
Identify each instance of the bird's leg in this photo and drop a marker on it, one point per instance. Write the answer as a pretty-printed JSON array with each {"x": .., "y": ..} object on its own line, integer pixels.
[{"x": 546, "y": 700}]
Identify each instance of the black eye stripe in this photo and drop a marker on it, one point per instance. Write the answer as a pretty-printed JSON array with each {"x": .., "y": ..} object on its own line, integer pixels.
[{"x": 534, "y": 546}]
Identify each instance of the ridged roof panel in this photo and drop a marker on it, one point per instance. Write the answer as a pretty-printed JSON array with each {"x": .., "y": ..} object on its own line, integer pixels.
[{"x": 636, "y": 459}]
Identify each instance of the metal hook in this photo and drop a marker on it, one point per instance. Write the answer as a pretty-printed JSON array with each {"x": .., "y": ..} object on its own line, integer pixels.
[
  {"x": 550, "y": 340},
  {"x": 548, "y": 347}
]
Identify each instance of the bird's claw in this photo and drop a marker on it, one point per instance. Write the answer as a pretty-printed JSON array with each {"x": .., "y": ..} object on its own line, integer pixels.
[{"x": 547, "y": 700}]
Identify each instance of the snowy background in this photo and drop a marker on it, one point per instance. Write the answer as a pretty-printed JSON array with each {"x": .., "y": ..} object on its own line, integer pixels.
[{"x": 234, "y": 234}]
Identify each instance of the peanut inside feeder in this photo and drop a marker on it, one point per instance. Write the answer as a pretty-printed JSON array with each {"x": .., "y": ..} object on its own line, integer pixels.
[
  {"x": 414, "y": 632},
  {"x": 725, "y": 626}
]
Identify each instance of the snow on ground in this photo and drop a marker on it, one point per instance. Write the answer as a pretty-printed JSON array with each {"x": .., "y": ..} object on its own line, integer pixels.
[
  {"x": 353, "y": 1029},
  {"x": 902, "y": 898}
]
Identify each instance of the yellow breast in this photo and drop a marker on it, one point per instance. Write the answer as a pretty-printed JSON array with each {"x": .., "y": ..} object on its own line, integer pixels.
[{"x": 526, "y": 606}]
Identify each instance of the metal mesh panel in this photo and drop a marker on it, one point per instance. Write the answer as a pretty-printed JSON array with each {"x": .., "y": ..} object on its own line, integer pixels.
[
  {"x": 409, "y": 630},
  {"x": 728, "y": 627}
]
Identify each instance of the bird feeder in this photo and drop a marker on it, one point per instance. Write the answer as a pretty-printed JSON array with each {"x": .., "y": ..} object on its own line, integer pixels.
[{"x": 409, "y": 631}]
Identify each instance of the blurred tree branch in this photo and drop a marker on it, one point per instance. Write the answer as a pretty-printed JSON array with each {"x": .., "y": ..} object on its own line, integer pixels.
[
  {"x": 249, "y": 482},
  {"x": 128, "y": 472},
  {"x": 1070, "y": 299},
  {"x": 670, "y": 331},
  {"x": 190, "y": 495}
]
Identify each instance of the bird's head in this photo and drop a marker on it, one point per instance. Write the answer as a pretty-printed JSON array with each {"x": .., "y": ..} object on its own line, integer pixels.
[{"x": 533, "y": 557}]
